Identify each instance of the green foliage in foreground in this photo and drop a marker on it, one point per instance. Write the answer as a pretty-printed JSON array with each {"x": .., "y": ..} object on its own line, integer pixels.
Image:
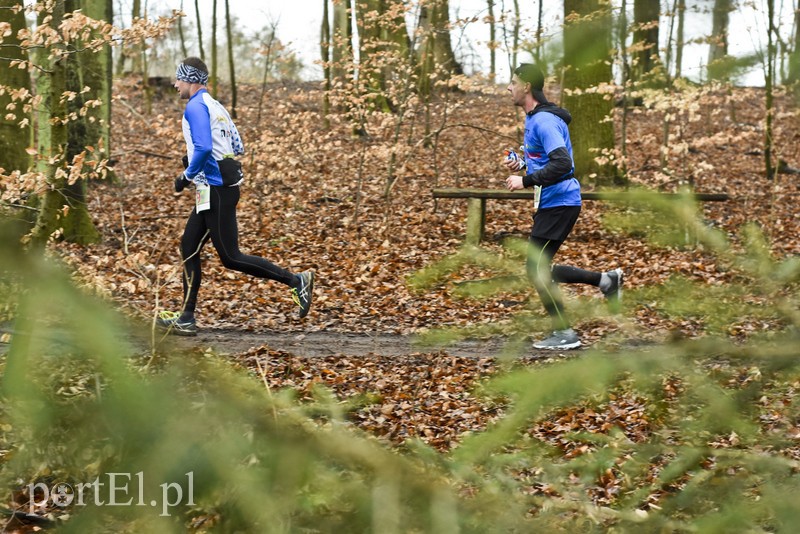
[{"x": 79, "y": 404}]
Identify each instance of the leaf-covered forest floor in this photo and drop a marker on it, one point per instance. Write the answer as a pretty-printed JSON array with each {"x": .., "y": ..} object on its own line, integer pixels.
[{"x": 313, "y": 199}]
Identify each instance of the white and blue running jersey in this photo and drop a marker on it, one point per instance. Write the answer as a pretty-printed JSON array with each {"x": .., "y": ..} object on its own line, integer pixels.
[{"x": 210, "y": 136}]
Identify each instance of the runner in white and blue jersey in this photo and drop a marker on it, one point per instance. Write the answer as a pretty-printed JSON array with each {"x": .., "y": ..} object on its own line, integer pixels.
[
  {"x": 549, "y": 165},
  {"x": 212, "y": 140}
]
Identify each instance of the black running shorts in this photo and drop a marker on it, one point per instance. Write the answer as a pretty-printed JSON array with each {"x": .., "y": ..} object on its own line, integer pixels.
[{"x": 555, "y": 223}]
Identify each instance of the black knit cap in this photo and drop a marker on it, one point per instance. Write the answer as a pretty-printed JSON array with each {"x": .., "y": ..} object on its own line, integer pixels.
[{"x": 527, "y": 72}]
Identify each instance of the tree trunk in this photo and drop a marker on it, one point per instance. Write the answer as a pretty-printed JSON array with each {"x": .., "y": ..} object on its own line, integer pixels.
[
  {"x": 83, "y": 69},
  {"x": 213, "y": 78},
  {"x": 436, "y": 52},
  {"x": 395, "y": 36},
  {"x": 769, "y": 81},
  {"x": 230, "y": 57},
  {"x": 679, "y": 39},
  {"x": 52, "y": 134},
  {"x": 136, "y": 12},
  {"x": 537, "y": 56},
  {"x": 492, "y": 41},
  {"x": 325, "y": 55},
  {"x": 645, "y": 35},
  {"x": 371, "y": 50},
  {"x": 515, "y": 37},
  {"x": 794, "y": 57},
  {"x": 120, "y": 51},
  {"x": 15, "y": 124},
  {"x": 384, "y": 48},
  {"x": 718, "y": 46},
  {"x": 672, "y": 17},
  {"x": 445, "y": 58},
  {"x": 180, "y": 34},
  {"x": 398, "y": 66},
  {"x": 99, "y": 66},
  {"x": 342, "y": 41},
  {"x": 587, "y": 52},
  {"x": 425, "y": 55},
  {"x": 622, "y": 37},
  {"x": 199, "y": 30}
]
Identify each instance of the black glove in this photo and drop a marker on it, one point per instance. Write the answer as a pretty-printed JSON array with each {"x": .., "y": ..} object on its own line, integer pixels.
[
  {"x": 181, "y": 182},
  {"x": 185, "y": 161}
]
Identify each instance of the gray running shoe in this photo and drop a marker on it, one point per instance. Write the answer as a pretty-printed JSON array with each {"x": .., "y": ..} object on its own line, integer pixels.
[
  {"x": 614, "y": 292},
  {"x": 172, "y": 323},
  {"x": 560, "y": 340},
  {"x": 303, "y": 293}
]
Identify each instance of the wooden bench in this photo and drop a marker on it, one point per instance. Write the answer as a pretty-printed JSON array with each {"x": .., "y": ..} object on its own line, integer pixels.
[{"x": 476, "y": 202}]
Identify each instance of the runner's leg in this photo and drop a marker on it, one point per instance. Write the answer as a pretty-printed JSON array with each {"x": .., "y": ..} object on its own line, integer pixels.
[
  {"x": 224, "y": 230},
  {"x": 195, "y": 235},
  {"x": 538, "y": 266}
]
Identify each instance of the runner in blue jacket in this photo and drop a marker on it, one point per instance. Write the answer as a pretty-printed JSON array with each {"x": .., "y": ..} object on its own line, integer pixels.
[
  {"x": 212, "y": 141},
  {"x": 549, "y": 165}
]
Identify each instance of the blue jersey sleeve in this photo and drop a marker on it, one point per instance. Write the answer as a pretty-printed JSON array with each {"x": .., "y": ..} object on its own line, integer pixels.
[{"x": 197, "y": 116}]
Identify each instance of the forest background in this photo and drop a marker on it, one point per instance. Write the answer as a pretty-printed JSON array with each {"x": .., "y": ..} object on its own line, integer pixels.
[{"x": 682, "y": 414}]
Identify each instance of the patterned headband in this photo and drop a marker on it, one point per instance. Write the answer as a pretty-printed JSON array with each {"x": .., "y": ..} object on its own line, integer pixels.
[{"x": 189, "y": 74}]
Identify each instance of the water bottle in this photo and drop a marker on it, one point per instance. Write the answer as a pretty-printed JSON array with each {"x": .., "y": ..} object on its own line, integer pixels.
[{"x": 511, "y": 155}]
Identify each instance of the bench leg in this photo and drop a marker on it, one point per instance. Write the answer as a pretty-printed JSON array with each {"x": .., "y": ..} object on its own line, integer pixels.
[{"x": 476, "y": 217}]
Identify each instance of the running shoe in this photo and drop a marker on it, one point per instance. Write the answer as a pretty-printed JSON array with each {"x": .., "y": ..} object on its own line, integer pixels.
[
  {"x": 613, "y": 292},
  {"x": 172, "y": 323},
  {"x": 303, "y": 293},
  {"x": 560, "y": 340}
]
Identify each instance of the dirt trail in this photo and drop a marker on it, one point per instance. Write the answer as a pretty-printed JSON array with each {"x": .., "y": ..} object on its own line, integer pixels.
[{"x": 322, "y": 343}]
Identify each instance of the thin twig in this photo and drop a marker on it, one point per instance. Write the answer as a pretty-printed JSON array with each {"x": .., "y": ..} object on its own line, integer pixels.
[
  {"x": 263, "y": 372},
  {"x": 131, "y": 109},
  {"x": 20, "y": 206},
  {"x": 124, "y": 231}
]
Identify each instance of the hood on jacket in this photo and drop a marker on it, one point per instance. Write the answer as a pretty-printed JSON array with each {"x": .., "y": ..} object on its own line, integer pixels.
[{"x": 549, "y": 107}]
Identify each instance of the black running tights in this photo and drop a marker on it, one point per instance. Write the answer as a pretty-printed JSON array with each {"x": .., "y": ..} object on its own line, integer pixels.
[
  {"x": 219, "y": 224},
  {"x": 544, "y": 276}
]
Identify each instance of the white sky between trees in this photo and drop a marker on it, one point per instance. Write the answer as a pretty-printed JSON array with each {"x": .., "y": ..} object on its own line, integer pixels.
[{"x": 298, "y": 27}]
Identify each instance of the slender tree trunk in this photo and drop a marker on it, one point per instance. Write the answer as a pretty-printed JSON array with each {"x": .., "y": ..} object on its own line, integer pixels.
[
  {"x": 199, "y": 30},
  {"x": 794, "y": 57},
  {"x": 537, "y": 56},
  {"x": 515, "y": 37},
  {"x": 769, "y": 80},
  {"x": 587, "y": 45},
  {"x": 492, "y": 41},
  {"x": 180, "y": 34},
  {"x": 102, "y": 65},
  {"x": 140, "y": 65},
  {"x": 426, "y": 59},
  {"x": 325, "y": 55},
  {"x": 121, "y": 55},
  {"x": 136, "y": 13},
  {"x": 672, "y": 18},
  {"x": 15, "y": 123},
  {"x": 267, "y": 66},
  {"x": 679, "y": 39},
  {"x": 213, "y": 79},
  {"x": 230, "y": 57},
  {"x": 624, "y": 73}
]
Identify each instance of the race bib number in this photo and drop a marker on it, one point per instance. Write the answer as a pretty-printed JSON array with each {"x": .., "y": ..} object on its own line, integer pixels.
[{"x": 202, "y": 197}]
